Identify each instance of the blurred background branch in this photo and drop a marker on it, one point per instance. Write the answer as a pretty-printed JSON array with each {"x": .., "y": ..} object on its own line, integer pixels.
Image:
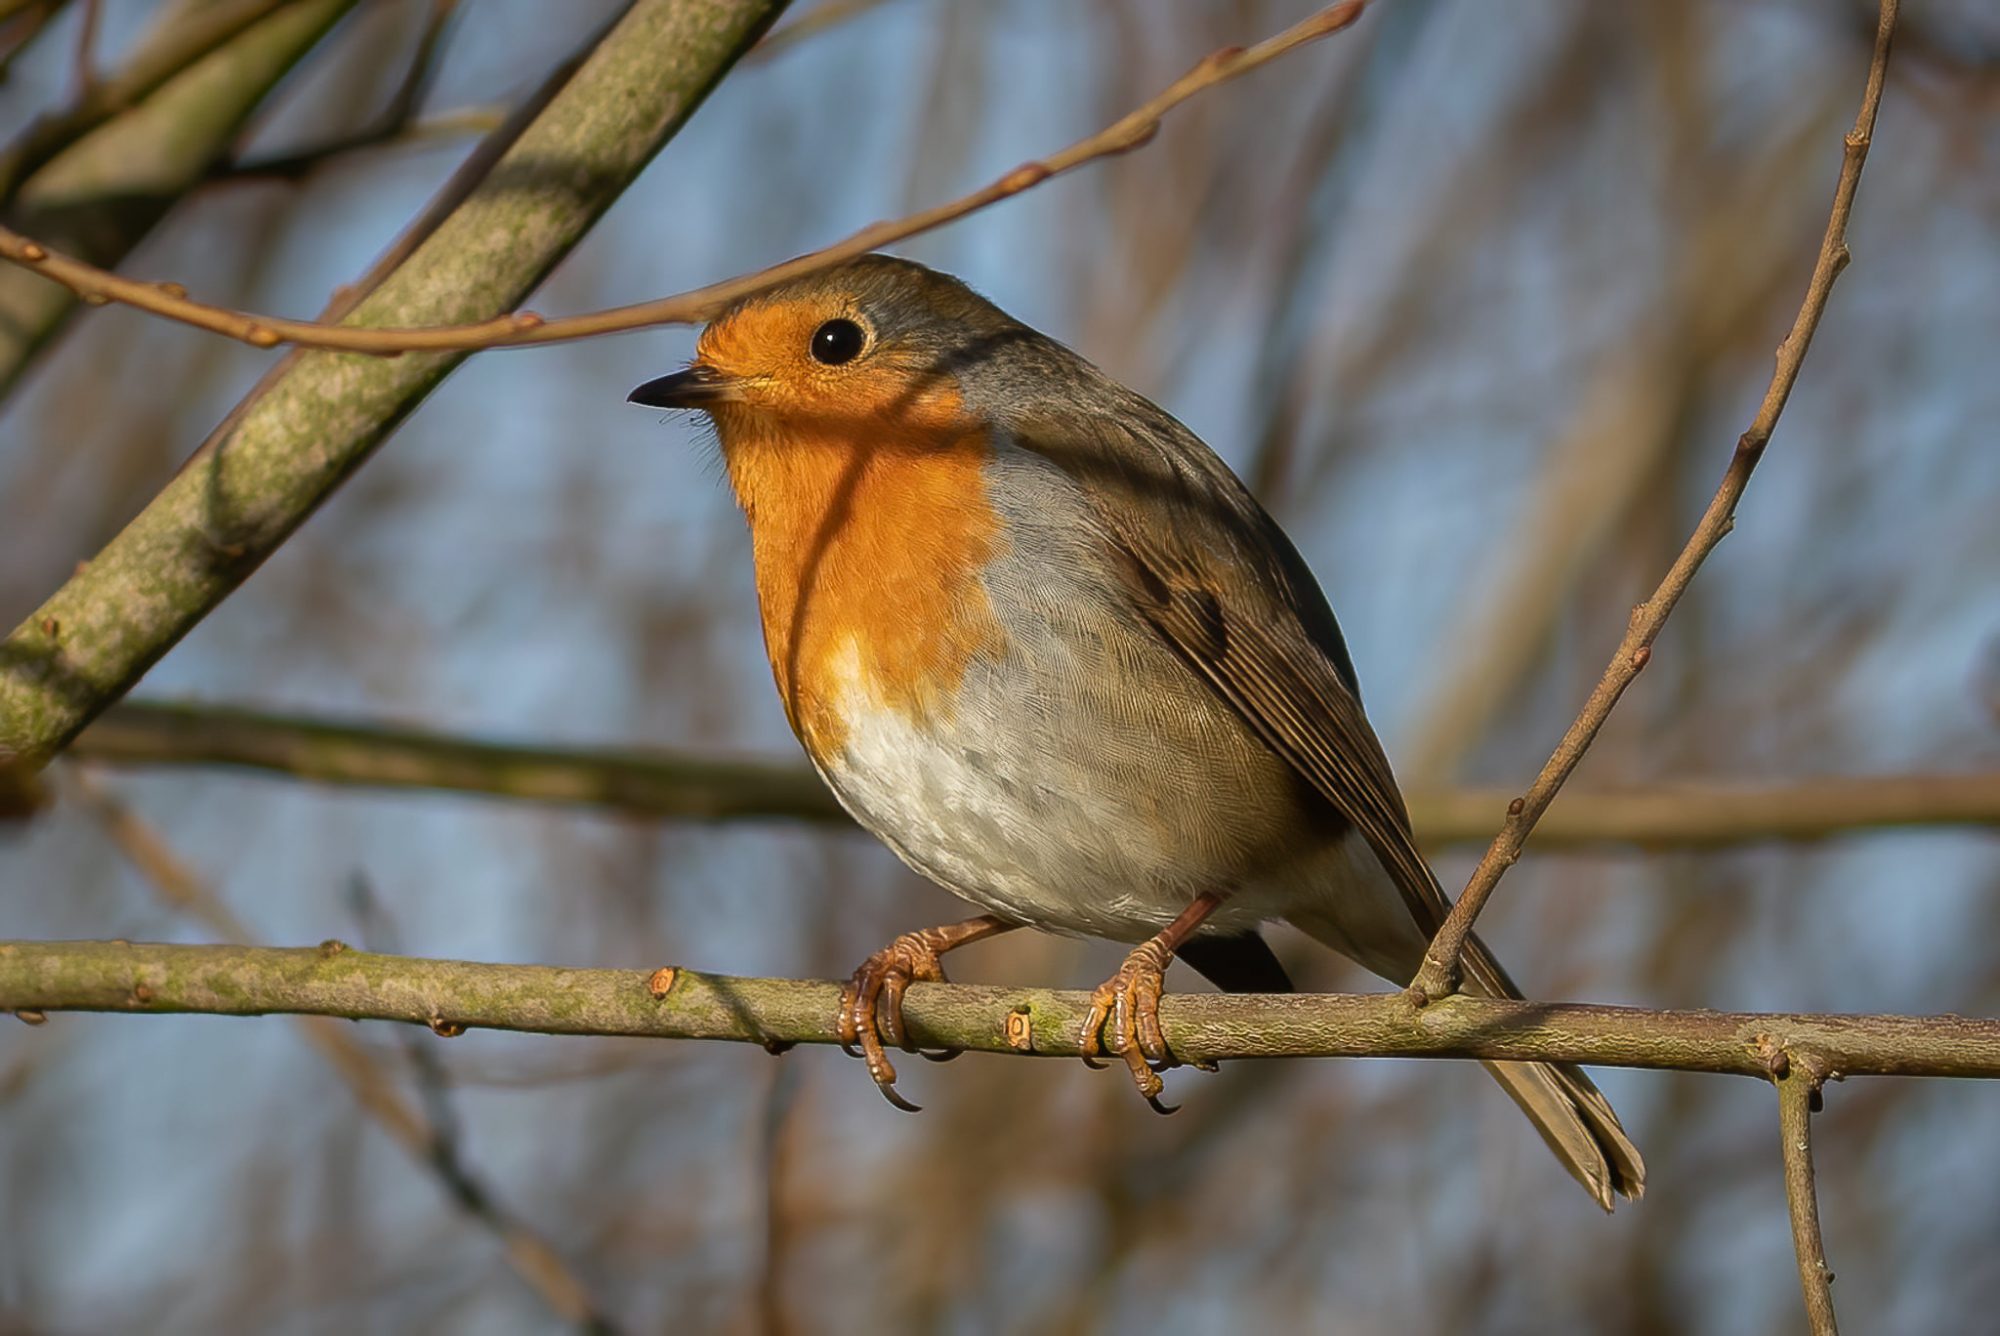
[{"x": 694, "y": 786}]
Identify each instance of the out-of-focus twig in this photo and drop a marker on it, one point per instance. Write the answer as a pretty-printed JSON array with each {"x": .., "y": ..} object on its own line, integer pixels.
[
  {"x": 396, "y": 121},
  {"x": 1798, "y": 1092},
  {"x": 335, "y": 980},
  {"x": 820, "y": 18},
  {"x": 1133, "y": 130},
  {"x": 692, "y": 786},
  {"x": 1440, "y": 969},
  {"x": 193, "y": 37},
  {"x": 531, "y": 1257}
]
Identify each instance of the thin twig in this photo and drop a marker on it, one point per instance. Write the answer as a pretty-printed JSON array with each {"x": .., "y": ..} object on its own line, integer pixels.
[
  {"x": 1798, "y": 1093},
  {"x": 333, "y": 979},
  {"x": 1440, "y": 969},
  {"x": 705, "y": 787},
  {"x": 86, "y": 47},
  {"x": 1129, "y": 132},
  {"x": 531, "y": 1257},
  {"x": 396, "y": 121}
]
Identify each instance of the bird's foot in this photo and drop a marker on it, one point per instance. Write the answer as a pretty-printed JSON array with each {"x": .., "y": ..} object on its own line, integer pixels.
[
  {"x": 1124, "y": 1020},
  {"x": 871, "y": 1002}
]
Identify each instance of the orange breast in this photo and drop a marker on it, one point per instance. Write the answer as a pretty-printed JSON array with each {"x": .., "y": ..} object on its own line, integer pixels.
[{"x": 870, "y": 532}]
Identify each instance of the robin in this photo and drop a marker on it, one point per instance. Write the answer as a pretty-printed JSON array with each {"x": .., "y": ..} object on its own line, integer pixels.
[{"x": 1043, "y": 643}]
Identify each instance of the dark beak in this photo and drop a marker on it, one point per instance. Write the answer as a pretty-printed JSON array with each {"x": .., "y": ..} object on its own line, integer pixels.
[{"x": 697, "y": 387}]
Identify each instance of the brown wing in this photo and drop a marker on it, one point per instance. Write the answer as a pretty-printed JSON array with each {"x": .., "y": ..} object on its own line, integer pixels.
[{"x": 1215, "y": 576}]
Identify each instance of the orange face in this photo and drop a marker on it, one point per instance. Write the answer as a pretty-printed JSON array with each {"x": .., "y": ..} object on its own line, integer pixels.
[
  {"x": 861, "y": 472},
  {"x": 818, "y": 362}
]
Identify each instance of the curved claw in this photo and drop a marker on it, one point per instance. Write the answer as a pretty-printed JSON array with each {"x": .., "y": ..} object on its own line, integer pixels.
[
  {"x": 1163, "y": 1109},
  {"x": 888, "y": 1090},
  {"x": 942, "y": 1055}
]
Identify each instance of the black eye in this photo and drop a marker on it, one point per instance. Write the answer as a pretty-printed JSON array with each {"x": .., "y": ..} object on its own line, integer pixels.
[{"x": 837, "y": 341}]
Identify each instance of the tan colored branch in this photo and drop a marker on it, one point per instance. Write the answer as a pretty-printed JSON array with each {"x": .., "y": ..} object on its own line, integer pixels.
[
  {"x": 334, "y": 980},
  {"x": 1440, "y": 969},
  {"x": 686, "y": 786},
  {"x": 1129, "y": 132},
  {"x": 1798, "y": 1092}
]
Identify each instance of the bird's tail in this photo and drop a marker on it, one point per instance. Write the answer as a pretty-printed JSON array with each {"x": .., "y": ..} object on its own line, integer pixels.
[{"x": 1568, "y": 1110}]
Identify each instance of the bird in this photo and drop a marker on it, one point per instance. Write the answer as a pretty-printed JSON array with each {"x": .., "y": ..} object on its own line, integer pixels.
[{"x": 1044, "y": 644}]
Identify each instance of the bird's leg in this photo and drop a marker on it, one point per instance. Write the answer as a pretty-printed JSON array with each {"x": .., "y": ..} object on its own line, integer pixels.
[
  {"x": 1124, "y": 1014},
  {"x": 871, "y": 1003}
]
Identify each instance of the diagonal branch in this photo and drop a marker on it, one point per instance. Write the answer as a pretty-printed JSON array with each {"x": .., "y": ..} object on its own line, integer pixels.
[
  {"x": 335, "y": 980},
  {"x": 1798, "y": 1096},
  {"x": 318, "y": 417},
  {"x": 1439, "y": 974},
  {"x": 1133, "y": 130}
]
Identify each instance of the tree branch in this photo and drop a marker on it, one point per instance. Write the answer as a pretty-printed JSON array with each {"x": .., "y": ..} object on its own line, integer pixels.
[
  {"x": 317, "y": 421},
  {"x": 1131, "y": 131},
  {"x": 697, "y": 787},
  {"x": 448, "y": 996},
  {"x": 1439, "y": 974},
  {"x": 1798, "y": 1095}
]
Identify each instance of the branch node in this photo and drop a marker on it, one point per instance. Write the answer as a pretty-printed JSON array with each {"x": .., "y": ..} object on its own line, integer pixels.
[
  {"x": 29, "y": 1016},
  {"x": 1024, "y": 177},
  {"x": 1020, "y": 1030},
  {"x": 332, "y": 947},
  {"x": 662, "y": 982},
  {"x": 445, "y": 1029},
  {"x": 260, "y": 336}
]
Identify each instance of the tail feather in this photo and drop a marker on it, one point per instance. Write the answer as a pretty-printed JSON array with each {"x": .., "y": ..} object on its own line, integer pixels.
[
  {"x": 1568, "y": 1110},
  {"x": 1565, "y": 1105}
]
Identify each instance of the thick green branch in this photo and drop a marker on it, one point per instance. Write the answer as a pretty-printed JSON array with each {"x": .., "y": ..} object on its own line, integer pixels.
[
  {"x": 708, "y": 788},
  {"x": 257, "y": 481},
  {"x": 332, "y": 980}
]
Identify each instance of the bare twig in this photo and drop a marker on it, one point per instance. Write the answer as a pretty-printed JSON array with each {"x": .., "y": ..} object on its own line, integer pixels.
[
  {"x": 1129, "y": 132},
  {"x": 396, "y": 121},
  {"x": 422, "y": 1137},
  {"x": 1440, "y": 969},
  {"x": 697, "y": 787},
  {"x": 1798, "y": 1093},
  {"x": 86, "y": 47},
  {"x": 335, "y": 980}
]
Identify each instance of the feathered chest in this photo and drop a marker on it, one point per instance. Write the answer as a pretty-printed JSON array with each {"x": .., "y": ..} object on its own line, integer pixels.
[{"x": 869, "y": 553}]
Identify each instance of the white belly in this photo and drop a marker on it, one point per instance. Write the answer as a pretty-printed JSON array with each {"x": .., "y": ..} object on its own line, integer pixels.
[{"x": 1084, "y": 840}]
